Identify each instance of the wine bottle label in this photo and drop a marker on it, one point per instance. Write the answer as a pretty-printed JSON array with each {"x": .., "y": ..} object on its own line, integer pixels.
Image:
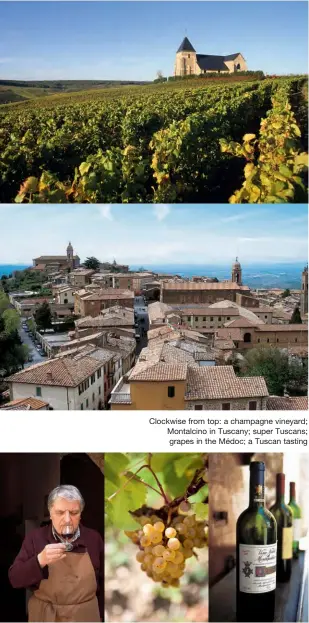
[
  {"x": 296, "y": 529},
  {"x": 287, "y": 543},
  {"x": 257, "y": 568}
]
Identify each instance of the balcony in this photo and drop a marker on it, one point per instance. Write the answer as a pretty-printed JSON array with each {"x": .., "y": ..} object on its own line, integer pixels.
[{"x": 121, "y": 393}]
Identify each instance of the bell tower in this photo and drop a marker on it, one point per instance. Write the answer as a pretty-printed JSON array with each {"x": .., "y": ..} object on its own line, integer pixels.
[
  {"x": 237, "y": 272},
  {"x": 70, "y": 256},
  {"x": 185, "y": 59},
  {"x": 304, "y": 291}
]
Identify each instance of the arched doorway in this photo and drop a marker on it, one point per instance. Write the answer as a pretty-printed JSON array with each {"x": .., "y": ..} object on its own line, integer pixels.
[{"x": 247, "y": 338}]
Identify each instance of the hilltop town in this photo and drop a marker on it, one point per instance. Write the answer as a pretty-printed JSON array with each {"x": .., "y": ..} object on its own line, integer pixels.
[{"x": 100, "y": 336}]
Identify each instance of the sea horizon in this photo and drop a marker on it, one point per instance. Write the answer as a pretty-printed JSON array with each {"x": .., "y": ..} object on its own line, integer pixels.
[{"x": 254, "y": 274}]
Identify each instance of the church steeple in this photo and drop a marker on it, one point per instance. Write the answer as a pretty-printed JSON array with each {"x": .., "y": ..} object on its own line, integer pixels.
[
  {"x": 70, "y": 256},
  {"x": 185, "y": 59},
  {"x": 237, "y": 272},
  {"x": 186, "y": 46}
]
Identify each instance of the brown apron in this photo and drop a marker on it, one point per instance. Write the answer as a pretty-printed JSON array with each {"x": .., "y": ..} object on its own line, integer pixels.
[{"x": 69, "y": 593}]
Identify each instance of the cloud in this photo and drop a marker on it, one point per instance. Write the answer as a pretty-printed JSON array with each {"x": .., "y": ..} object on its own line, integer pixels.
[
  {"x": 241, "y": 216},
  {"x": 161, "y": 211},
  {"x": 106, "y": 212}
]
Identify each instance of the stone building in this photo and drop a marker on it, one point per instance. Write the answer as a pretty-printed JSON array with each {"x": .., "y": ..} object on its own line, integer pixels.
[
  {"x": 167, "y": 377},
  {"x": 89, "y": 303},
  {"x": 189, "y": 292},
  {"x": 57, "y": 262},
  {"x": 189, "y": 62},
  {"x": 245, "y": 335},
  {"x": 304, "y": 291}
]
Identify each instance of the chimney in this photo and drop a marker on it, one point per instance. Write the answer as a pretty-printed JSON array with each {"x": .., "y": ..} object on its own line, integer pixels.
[{"x": 49, "y": 376}]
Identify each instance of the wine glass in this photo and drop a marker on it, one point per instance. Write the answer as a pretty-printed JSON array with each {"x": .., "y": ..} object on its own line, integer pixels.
[{"x": 67, "y": 533}]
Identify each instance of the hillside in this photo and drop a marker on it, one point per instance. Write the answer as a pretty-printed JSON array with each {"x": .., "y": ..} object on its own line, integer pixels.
[
  {"x": 171, "y": 142},
  {"x": 12, "y": 91}
]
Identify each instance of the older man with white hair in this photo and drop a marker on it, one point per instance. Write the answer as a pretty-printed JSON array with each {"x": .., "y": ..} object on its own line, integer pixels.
[{"x": 62, "y": 564}]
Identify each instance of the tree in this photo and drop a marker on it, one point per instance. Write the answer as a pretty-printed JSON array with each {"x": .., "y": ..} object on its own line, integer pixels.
[
  {"x": 11, "y": 320},
  {"x": 296, "y": 317},
  {"x": 286, "y": 293},
  {"x": 275, "y": 365},
  {"x": 13, "y": 353},
  {"x": 43, "y": 317},
  {"x": 92, "y": 263},
  {"x": 159, "y": 74}
]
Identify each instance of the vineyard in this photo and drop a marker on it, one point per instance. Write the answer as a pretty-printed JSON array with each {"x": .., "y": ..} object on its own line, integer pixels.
[
  {"x": 181, "y": 142},
  {"x": 156, "y": 537}
]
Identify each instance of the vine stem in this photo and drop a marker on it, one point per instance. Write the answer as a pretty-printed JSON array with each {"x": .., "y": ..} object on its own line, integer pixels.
[
  {"x": 133, "y": 477},
  {"x": 166, "y": 500}
]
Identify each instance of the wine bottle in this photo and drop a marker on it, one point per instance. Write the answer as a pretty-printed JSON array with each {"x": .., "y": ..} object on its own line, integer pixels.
[
  {"x": 284, "y": 519},
  {"x": 256, "y": 543},
  {"x": 296, "y": 512}
]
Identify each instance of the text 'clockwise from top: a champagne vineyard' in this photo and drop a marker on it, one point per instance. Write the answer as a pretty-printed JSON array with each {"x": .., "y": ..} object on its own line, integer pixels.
[
  {"x": 223, "y": 120},
  {"x": 258, "y": 537}
]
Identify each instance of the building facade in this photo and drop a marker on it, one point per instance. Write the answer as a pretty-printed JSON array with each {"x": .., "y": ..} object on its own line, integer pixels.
[
  {"x": 188, "y": 62},
  {"x": 188, "y": 292}
]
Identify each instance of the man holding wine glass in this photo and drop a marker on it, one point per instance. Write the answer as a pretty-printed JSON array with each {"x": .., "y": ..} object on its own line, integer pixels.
[{"x": 62, "y": 564}]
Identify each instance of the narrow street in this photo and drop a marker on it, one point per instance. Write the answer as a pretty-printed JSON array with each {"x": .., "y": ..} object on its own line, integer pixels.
[
  {"x": 141, "y": 319},
  {"x": 26, "y": 339}
]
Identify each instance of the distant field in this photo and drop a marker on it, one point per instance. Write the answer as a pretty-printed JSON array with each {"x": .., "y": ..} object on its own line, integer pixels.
[
  {"x": 171, "y": 142},
  {"x": 12, "y": 91}
]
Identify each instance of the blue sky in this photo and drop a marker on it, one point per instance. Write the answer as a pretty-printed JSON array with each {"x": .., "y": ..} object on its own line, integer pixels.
[
  {"x": 132, "y": 40},
  {"x": 159, "y": 234}
]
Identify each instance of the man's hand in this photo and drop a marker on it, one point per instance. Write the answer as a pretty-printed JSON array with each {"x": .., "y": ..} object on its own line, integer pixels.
[{"x": 51, "y": 554}]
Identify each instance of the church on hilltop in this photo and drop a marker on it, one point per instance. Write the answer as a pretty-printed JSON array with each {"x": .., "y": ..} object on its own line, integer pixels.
[{"x": 189, "y": 62}]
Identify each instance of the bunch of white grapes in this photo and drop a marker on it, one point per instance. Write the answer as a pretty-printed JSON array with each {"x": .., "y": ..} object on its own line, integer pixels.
[{"x": 163, "y": 549}]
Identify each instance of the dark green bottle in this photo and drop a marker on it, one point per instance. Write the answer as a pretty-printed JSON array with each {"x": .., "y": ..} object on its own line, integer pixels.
[
  {"x": 256, "y": 554},
  {"x": 296, "y": 512},
  {"x": 284, "y": 519}
]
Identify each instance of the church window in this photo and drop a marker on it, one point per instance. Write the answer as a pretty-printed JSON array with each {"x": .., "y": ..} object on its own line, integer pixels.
[
  {"x": 237, "y": 67},
  {"x": 188, "y": 55}
]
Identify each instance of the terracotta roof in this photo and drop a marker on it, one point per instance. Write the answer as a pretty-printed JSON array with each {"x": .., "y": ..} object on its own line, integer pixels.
[
  {"x": 261, "y": 310},
  {"x": 84, "y": 272},
  {"x": 29, "y": 404},
  {"x": 109, "y": 293},
  {"x": 59, "y": 258},
  {"x": 112, "y": 320},
  {"x": 157, "y": 311},
  {"x": 242, "y": 323},
  {"x": 62, "y": 372},
  {"x": 224, "y": 344},
  {"x": 34, "y": 301},
  {"x": 232, "y": 333},
  {"x": 282, "y": 327},
  {"x": 191, "y": 285},
  {"x": 287, "y": 403},
  {"x": 160, "y": 372},
  {"x": 221, "y": 382},
  {"x": 210, "y": 311}
]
